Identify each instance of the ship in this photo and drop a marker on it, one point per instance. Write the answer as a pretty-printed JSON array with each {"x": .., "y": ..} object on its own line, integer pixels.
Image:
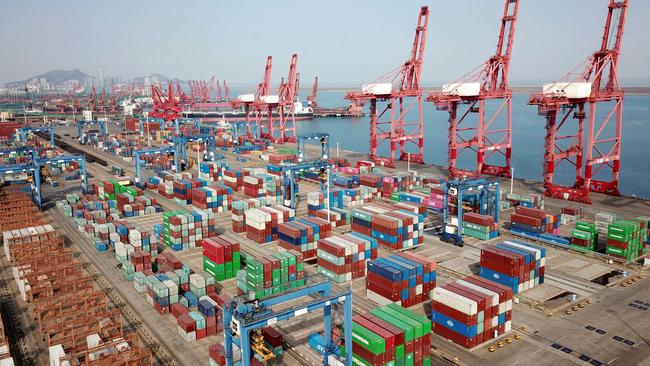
[{"x": 301, "y": 111}]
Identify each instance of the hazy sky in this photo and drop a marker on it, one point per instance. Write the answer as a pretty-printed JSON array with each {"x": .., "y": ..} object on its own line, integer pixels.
[{"x": 338, "y": 40}]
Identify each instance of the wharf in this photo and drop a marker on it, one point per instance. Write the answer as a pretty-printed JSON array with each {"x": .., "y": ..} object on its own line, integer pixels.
[{"x": 539, "y": 315}]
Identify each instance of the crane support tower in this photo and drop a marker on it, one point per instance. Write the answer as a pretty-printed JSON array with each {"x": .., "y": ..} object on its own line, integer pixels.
[
  {"x": 253, "y": 102},
  {"x": 592, "y": 93},
  {"x": 392, "y": 98},
  {"x": 137, "y": 154},
  {"x": 486, "y": 134}
]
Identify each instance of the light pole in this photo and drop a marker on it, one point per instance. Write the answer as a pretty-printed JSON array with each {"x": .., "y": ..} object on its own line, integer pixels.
[
  {"x": 512, "y": 179},
  {"x": 337, "y": 149},
  {"x": 146, "y": 115},
  {"x": 328, "y": 195}
]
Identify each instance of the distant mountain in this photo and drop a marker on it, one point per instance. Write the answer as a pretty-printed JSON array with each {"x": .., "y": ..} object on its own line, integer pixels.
[
  {"x": 53, "y": 77},
  {"x": 140, "y": 79}
]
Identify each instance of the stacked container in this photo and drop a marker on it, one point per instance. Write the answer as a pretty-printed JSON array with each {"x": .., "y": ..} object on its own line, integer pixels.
[
  {"x": 603, "y": 219},
  {"x": 515, "y": 264},
  {"x": 254, "y": 186},
  {"x": 183, "y": 189},
  {"x": 271, "y": 274},
  {"x": 234, "y": 178},
  {"x": 336, "y": 216},
  {"x": 391, "y": 335},
  {"x": 404, "y": 278},
  {"x": 221, "y": 256},
  {"x": 472, "y": 311},
  {"x": 584, "y": 236},
  {"x": 213, "y": 171},
  {"x": 343, "y": 258},
  {"x": 395, "y": 226},
  {"x": 217, "y": 198},
  {"x": 182, "y": 229},
  {"x": 302, "y": 235},
  {"x": 534, "y": 221},
  {"x": 239, "y": 209},
  {"x": 624, "y": 239},
  {"x": 262, "y": 223},
  {"x": 480, "y": 226}
]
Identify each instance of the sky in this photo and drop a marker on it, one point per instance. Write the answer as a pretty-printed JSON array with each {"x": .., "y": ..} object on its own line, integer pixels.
[{"x": 341, "y": 41}]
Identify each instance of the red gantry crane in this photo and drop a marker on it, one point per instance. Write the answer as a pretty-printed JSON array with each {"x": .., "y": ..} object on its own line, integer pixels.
[
  {"x": 597, "y": 87},
  {"x": 467, "y": 96},
  {"x": 311, "y": 99},
  {"x": 400, "y": 91},
  {"x": 253, "y": 102},
  {"x": 280, "y": 124}
]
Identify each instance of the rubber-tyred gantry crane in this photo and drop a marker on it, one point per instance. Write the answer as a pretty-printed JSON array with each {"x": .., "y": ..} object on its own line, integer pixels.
[
  {"x": 590, "y": 92},
  {"x": 399, "y": 91},
  {"x": 465, "y": 98}
]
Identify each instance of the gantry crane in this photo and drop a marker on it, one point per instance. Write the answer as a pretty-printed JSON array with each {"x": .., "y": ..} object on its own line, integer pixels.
[
  {"x": 165, "y": 107},
  {"x": 597, "y": 87},
  {"x": 282, "y": 129},
  {"x": 311, "y": 99},
  {"x": 401, "y": 92},
  {"x": 485, "y": 134},
  {"x": 253, "y": 103}
]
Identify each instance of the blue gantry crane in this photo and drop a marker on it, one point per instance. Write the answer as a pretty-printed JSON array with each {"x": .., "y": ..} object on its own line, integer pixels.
[
  {"x": 180, "y": 143},
  {"x": 488, "y": 192},
  {"x": 137, "y": 155},
  {"x": 189, "y": 121},
  {"x": 289, "y": 172},
  {"x": 34, "y": 167},
  {"x": 321, "y": 137},
  {"x": 159, "y": 121},
  {"x": 241, "y": 317},
  {"x": 22, "y": 133},
  {"x": 252, "y": 129},
  {"x": 80, "y": 125}
]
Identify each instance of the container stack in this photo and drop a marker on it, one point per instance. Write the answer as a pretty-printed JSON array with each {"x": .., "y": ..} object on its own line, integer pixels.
[
  {"x": 570, "y": 214},
  {"x": 480, "y": 226},
  {"x": 373, "y": 182},
  {"x": 239, "y": 209},
  {"x": 343, "y": 258},
  {"x": 254, "y": 186},
  {"x": 472, "y": 311},
  {"x": 337, "y": 217},
  {"x": 182, "y": 229},
  {"x": 534, "y": 222},
  {"x": 262, "y": 223},
  {"x": 391, "y": 335},
  {"x": 282, "y": 158},
  {"x": 234, "y": 178},
  {"x": 603, "y": 219},
  {"x": 395, "y": 226},
  {"x": 515, "y": 264},
  {"x": 183, "y": 189},
  {"x": 213, "y": 171},
  {"x": 302, "y": 235},
  {"x": 131, "y": 206},
  {"x": 400, "y": 182},
  {"x": 404, "y": 278},
  {"x": 216, "y": 198},
  {"x": 355, "y": 197},
  {"x": 271, "y": 274},
  {"x": 221, "y": 256},
  {"x": 624, "y": 239},
  {"x": 584, "y": 236}
]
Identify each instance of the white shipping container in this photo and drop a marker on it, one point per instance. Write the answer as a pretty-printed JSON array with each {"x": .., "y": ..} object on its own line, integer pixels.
[{"x": 455, "y": 301}]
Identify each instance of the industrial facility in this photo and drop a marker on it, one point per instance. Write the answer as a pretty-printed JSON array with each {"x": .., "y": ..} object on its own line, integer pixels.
[{"x": 185, "y": 223}]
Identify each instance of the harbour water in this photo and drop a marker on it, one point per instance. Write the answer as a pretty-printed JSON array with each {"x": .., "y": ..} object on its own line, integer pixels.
[{"x": 528, "y": 139}]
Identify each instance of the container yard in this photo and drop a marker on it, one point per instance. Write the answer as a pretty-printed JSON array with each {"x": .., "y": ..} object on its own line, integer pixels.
[{"x": 207, "y": 229}]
